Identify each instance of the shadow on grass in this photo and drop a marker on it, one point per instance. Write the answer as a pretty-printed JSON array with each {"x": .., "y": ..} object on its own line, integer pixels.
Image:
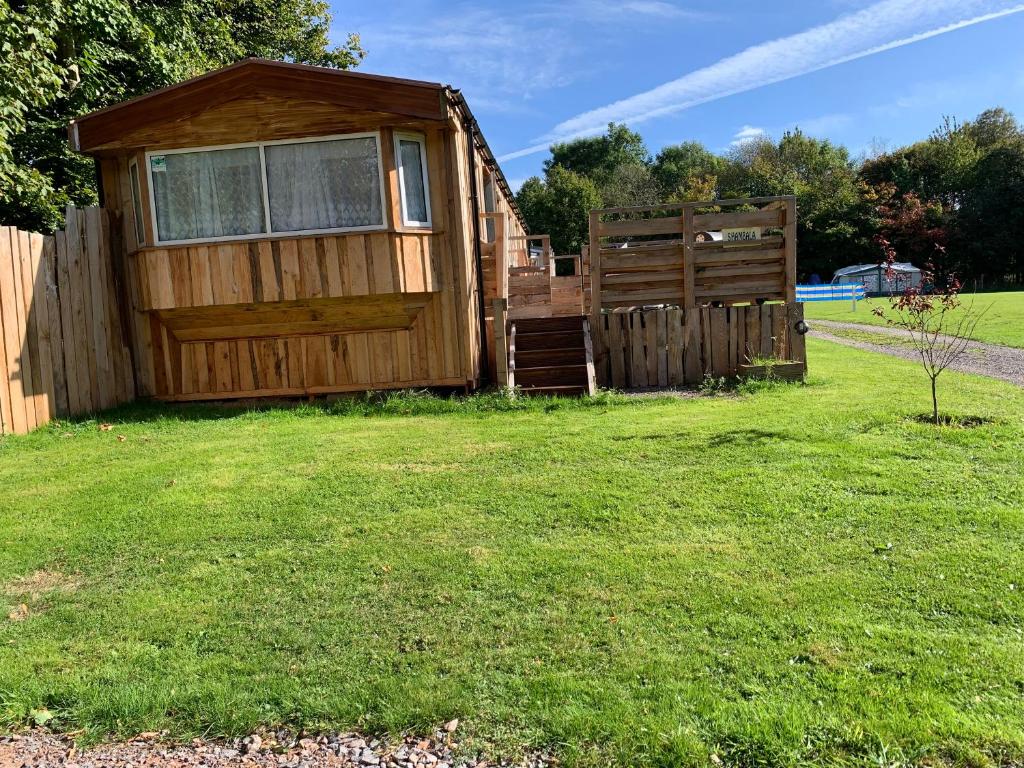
[
  {"x": 748, "y": 437},
  {"x": 949, "y": 420},
  {"x": 366, "y": 404}
]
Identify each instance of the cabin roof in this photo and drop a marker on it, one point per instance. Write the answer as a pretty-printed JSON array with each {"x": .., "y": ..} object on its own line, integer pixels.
[
  {"x": 857, "y": 269},
  {"x": 409, "y": 98},
  {"x": 419, "y": 99}
]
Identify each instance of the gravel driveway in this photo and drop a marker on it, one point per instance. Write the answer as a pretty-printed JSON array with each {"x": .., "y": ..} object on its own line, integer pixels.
[
  {"x": 274, "y": 749},
  {"x": 994, "y": 360}
]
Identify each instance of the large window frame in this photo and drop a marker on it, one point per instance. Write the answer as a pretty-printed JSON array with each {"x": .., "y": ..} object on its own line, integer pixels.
[
  {"x": 267, "y": 231},
  {"x": 421, "y": 140}
]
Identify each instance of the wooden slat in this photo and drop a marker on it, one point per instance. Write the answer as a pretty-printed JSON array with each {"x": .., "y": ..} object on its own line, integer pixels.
[
  {"x": 797, "y": 341},
  {"x": 789, "y": 232},
  {"x": 40, "y": 307},
  {"x": 693, "y": 370},
  {"x": 15, "y": 412},
  {"x": 97, "y": 259},
  {"x": 737, "y": 219},
  {"x": 719, "y": 341},
  {"x": 34, "y": 389},
  {"x": 666, "y": 225}
]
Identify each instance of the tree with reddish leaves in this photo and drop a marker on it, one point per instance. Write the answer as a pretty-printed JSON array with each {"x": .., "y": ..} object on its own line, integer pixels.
[
  {"x": 941, "y": 327},
  {"x": 915, "y": 228}
]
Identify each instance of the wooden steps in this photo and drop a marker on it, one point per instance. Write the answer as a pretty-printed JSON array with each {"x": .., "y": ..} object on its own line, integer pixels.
[{"x": 552, "y": 356}]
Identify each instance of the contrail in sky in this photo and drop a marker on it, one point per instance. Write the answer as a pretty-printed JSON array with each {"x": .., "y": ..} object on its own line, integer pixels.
[{"x": 881, "y": 26}]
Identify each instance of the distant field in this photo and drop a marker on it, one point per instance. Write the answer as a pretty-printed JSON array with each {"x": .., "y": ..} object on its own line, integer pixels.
[{"x": 1003, "y": 322}]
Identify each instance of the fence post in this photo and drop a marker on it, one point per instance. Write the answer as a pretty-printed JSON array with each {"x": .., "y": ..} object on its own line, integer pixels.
[
  {"x": 501, "y": 254},
  {"x": 689, "y": 272},
  {"x": 501, "y": 341},
  {"x": 789, "y": 233},
  {"x": 596, "y": 324}
]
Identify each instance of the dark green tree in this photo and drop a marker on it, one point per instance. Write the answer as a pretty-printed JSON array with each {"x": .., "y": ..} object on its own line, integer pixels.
[
  {"x": 688, "y": 171},
  {"x": 988, "y": 239},
  {"x": 599, "y": 156},
  {"x": 63, "y": 58},
  {"x": 560, "y": 205}
]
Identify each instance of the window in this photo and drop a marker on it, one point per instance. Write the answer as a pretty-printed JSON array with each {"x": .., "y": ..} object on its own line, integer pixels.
[
  {"x": 207, "y": 194},
  {"x": 489, "y": 205},
  {"x": 324, "y": 185},
  {"x": 411, "y": 157},
  {"x": 320, "y": 185},
  {"x": 140, "y": 227}
]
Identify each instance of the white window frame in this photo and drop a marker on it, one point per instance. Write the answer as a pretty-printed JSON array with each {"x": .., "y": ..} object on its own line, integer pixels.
[
  {"x": 420, "y": 139},
  {"x": 138, "y": 213},
  {"x": 267, "y": 232}
]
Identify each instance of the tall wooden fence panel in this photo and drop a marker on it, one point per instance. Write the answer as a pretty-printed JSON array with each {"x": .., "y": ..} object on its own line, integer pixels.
[
  {"x": 679, "y": 347},
  {"x": 684, "y": 254},
  {"x": 63, "y": 350}
]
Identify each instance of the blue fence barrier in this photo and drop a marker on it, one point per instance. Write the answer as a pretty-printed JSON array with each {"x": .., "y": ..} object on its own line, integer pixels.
[{"x": 830, "y": 292}]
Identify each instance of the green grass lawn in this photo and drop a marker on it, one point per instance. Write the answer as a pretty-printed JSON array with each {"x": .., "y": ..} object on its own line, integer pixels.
[
  {"x": 1002, "y": 323},
  {"x": 799, "y": 574}
]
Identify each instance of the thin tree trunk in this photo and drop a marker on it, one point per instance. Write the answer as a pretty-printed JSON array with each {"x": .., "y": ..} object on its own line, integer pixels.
[{"x": 935, "y": 403}]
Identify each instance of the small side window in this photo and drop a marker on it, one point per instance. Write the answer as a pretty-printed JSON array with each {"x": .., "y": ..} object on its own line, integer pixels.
[
  {"x": 411, "y": 158},
  {"x": 490, "y": 205},
  {"x": 140, "y": 227}
]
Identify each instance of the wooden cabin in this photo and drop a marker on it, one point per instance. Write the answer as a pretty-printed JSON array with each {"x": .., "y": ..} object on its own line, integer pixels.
[{"x": 284, "y": 229}]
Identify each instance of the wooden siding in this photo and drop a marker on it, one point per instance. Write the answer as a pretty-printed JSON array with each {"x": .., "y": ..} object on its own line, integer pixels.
[
  {"x": 285, "y": 315},
  {"x": 288, "y": 269},
  {"x": 373, "y": 310},
  {"x": 345, "y": 91},
  {"x": 258, "y": 118}
]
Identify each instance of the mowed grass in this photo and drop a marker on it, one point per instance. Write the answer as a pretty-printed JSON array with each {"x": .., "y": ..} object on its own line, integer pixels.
[
  {"x": 796, "y": 575},
  {"x": 1001, "y": 323}
]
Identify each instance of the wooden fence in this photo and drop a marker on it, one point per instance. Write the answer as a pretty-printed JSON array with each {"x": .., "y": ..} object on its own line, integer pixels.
[
  {"x": 683, "y": 254},
  {"x": 679, "y": 347},
  {"x": 63, "y": 350},
  {"x": 538, "y": 292}
]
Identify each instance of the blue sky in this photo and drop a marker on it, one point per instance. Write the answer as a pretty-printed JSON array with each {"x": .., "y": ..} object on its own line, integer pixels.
[{"x": 860, "y": 72}]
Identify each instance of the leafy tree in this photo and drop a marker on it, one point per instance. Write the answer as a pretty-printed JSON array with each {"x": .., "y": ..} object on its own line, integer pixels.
[
  {"x": 63, "y": 58},
  {"x": 989, "y": 234},
  {"x": 834, "y": 226},
  {"x": 599, "y": 156},
  {"x": 993, "y": 128},
  {"x": 630, "y": 184},
  {"x": 688, "y": 171},
  {"x": 560, "y": 206},
  {"x": 940, "y": 326}
]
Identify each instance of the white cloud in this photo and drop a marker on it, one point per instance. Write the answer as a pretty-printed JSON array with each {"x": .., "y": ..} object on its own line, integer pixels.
[
  {"x": 624, "y": 11},
  {"x": 501, "y": 57},
  {"x": 747, "y": 133},
  {"x": 882, "y": 26}
]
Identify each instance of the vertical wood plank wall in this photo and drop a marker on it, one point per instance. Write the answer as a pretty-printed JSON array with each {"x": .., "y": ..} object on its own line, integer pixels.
[
  {"x": 440, "y": 348},
  {"x": 678, "y": 347},
  {"x": 63, "y": 351}
]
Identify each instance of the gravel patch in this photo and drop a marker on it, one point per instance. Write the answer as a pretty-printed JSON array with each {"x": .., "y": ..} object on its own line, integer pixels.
[
  {"x": 277, "y": 749},
  {"x": 993, "y": 360}
]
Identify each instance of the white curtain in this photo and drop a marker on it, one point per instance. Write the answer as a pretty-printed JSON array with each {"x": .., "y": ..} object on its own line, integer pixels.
[
  {"x": 323, "y": 185},
  {"x": 208, "y": 194},
  {"x": 412, "y": 180}
]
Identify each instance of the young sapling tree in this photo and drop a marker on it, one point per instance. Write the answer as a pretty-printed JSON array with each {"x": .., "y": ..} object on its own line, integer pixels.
[{"x": 940, "y": 325}]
